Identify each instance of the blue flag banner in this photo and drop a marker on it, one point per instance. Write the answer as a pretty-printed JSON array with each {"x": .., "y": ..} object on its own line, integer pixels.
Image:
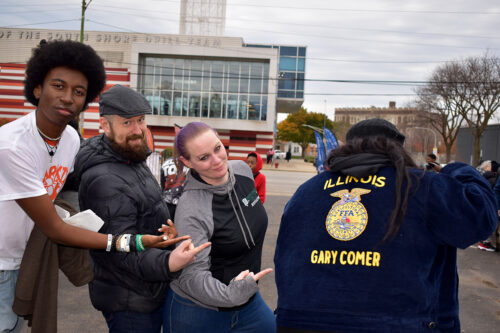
[
  {"x": 331, "y": 140},
  {"x": 320, "y": 162}
]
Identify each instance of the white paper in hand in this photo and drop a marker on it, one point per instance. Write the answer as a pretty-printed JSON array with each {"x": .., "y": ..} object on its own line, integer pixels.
[{"x": 86, "y": 220}]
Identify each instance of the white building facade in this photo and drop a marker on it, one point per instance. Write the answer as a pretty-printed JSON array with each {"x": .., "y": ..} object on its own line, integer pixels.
[{"x": 218, "y": 80}]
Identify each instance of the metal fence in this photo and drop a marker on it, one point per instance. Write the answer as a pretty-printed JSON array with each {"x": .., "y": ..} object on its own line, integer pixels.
[{"x": 489, "y": 145}]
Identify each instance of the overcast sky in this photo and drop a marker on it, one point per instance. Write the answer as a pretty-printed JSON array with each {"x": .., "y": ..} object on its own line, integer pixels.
[{"x": 383, "y": 40}]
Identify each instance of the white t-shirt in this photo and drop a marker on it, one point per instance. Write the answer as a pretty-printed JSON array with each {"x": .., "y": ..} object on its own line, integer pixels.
[{"x": 26, "y": 170}]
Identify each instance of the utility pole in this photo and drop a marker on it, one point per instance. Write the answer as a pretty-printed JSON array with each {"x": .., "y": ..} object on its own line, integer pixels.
[
  {"x": 82, "y": 23},
  {"x": 81, "y": 118}
]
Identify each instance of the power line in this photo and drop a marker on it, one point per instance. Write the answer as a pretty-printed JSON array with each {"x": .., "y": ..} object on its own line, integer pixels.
[
  {"x": 110, "y": 25},
  {"x": 306, "y": 35},
  {"x": 275, "y": 93},
  {"x": 50, "y": 22},
  {"x": 353, "y": 10},
  {"x": 433, "y": 34},
  {"x": 250, "y": 77},
  {"x": 380, "y": 61},
  {"x": 302, "y": 8},
  {"x": 254, "y": 50},
  {"x": 350, "y": 39},
  {"x": 306, "y": 25},
  {"x": 271, "y": 22}
]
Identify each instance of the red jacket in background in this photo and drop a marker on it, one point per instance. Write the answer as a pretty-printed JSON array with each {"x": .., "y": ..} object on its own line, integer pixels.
[{"x": 260, "y": 179}]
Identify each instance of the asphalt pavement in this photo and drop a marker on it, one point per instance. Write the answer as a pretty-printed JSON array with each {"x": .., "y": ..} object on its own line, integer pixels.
[{"x": 479, "y": 271}]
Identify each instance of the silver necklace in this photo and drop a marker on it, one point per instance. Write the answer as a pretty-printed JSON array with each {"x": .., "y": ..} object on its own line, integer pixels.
[
  {"x": 51, "y": 149},
  {"x": 48, "y": 137}
]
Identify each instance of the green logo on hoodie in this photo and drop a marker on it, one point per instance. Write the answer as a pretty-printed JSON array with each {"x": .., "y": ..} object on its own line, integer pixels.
[{"x": 252, "y": 198}]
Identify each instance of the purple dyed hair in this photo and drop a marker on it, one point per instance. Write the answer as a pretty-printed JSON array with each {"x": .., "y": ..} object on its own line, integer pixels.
[{"x": 188, "y": 132}]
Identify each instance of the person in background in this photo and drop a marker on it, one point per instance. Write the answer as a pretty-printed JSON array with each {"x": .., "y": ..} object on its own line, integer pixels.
[
  {"x": 218, "y": 292},
  {"x": 371, "y": 244},
  {"x": 254, "y": 161},
  {"x": 270, "y": 159},
  {"x": 432, "y": 165},
  {"x": 288, "y": 156},
  {"x": 495, "y": 238},
  {"x": 270, "y": 154},
  {"x": 115, "y": 182},
  {"x": 171, "y": 181},
  {"x": 37, "y": 153},
  {"x": 489, "y": 170}
]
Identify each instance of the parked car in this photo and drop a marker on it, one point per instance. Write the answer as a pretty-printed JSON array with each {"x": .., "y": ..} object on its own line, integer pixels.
[{"x": 279, "y": 154}]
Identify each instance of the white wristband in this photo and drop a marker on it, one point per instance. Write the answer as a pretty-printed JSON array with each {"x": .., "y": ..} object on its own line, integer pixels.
[{"x": 110, "y": 239}]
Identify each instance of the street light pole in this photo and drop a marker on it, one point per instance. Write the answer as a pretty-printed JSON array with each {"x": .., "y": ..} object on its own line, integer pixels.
[
  {"x": 434, "y": 149},
  {"x": 317, "y": 129}
]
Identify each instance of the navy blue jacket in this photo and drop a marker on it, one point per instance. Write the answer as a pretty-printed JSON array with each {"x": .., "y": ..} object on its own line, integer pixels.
[{"x": 333, "y": 273}]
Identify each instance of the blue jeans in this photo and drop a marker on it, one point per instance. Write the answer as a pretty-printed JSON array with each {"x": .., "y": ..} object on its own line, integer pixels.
[
  {"x": 134, "y": 322},
  {"x": 183, "y": 316},
  {"x": 9, "y": 321}
]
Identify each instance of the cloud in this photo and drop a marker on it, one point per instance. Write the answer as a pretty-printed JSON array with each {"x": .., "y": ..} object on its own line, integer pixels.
[{"x": 346, "y": 40}]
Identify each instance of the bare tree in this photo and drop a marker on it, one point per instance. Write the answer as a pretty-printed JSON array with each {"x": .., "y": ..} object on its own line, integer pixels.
[
  {"x": 463, "y": 91},
  {"x": 439, "y": 108},
  {"x": 480, "y": 92}
]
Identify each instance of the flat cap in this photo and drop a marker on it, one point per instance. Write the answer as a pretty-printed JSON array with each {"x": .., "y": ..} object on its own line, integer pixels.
[
  {"x": 124, "y": 102},
  {"x": 375, "y": 127}
]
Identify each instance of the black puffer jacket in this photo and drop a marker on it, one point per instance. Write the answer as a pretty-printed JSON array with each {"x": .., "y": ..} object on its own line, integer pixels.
[
  {"x": 127, "y": 197},
  {"x": 491, "y": 177}
]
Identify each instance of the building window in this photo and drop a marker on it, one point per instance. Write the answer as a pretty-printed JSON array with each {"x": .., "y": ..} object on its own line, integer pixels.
[
  {"x": 288, "y": 64},
  {"x": 288, "y": 51},
  {"x": 205, "y": 87}
]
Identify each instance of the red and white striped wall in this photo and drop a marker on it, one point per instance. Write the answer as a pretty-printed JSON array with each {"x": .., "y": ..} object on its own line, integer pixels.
[{"x": 14, "y": 105}]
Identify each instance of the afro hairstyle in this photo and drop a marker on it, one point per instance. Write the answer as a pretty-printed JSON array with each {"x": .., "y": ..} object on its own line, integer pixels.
[{"x": 67, "y": 53}]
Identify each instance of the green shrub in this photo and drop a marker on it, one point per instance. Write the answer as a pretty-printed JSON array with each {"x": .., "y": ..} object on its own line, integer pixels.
[
  {"x": 309, "y": 159},
  {"x": 166, "y": 153}
]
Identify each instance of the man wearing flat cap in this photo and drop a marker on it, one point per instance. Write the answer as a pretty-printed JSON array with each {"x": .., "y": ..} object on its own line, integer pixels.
[{"x": 129, "y": 288}]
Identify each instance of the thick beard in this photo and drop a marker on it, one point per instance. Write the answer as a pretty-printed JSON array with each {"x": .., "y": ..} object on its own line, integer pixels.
[{"x": 137, "y": 154}]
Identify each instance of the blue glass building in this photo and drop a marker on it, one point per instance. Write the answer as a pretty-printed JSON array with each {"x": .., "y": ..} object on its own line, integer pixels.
[{"x": 291, "y": 75}]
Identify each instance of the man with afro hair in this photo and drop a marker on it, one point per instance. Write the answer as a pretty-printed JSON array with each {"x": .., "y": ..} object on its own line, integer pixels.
[{"x": 37, "y": 153}]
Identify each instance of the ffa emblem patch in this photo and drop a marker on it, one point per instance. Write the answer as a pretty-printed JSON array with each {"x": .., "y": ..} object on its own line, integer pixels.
[{"x": 347, "y": 218}]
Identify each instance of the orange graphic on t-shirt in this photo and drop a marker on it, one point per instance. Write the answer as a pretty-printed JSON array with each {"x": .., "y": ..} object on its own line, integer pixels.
[{"x": 54, "y": 180}]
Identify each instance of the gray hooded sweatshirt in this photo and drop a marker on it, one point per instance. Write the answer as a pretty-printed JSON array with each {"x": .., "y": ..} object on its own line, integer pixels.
[{"x": 232, "y": 217}]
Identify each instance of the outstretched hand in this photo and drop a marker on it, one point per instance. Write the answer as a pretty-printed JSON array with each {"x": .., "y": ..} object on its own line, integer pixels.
[
  {"x": 184, "y": 254},
  {"x": 256, "y": 277},
  {"x": 168, "y": 238},
  {"x": 168, "y": 230},
  {"x": 150, "y": 241}
]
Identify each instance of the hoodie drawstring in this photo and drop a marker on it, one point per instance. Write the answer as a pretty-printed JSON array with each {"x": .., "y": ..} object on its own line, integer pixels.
[{"x": 231, "y": 189}]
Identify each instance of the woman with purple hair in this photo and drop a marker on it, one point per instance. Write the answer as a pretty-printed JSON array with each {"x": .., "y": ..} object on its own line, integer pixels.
[{"x": 218, "y": 292}]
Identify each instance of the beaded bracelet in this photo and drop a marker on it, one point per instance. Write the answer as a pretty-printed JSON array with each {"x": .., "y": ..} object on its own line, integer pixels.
[{"x": 125, "y": 243}]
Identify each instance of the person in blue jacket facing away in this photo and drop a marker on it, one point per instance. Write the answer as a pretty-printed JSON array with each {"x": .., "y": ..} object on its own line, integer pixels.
[{"x": 371, "y": 244}]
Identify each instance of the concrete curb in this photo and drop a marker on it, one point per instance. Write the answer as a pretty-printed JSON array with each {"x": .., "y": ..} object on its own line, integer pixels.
[{"x": 297, "y": 165}]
